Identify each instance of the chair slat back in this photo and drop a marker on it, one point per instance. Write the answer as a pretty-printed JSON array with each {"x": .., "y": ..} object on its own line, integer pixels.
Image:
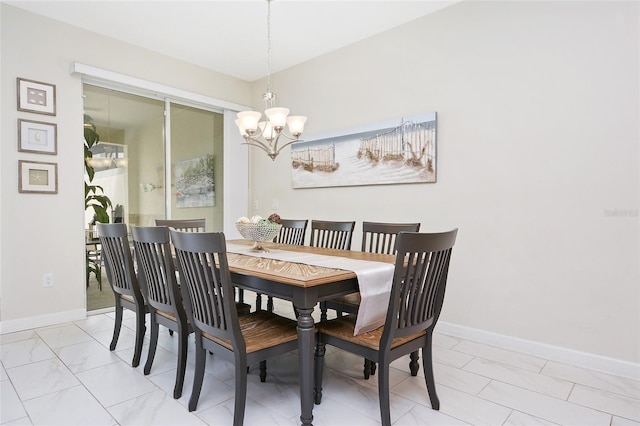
[
  {"x": 419, "y": 282},
  {"x": 335, "y": 235},
  {"x": 155, "y": 260},
  {"x": 292, "y": 232},
  {"x": 117, "y": 259},
  {"x": 206, "y": 283},
  {"x": 190, "y": 225},
  {"x": 381, "y": 238}
]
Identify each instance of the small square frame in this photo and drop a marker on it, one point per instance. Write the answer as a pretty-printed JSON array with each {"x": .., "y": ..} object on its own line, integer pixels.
[
  {"x": 37, "y": 136},
  {"x": 36, "y": 96},
  {"x": 37, "y": 177}
]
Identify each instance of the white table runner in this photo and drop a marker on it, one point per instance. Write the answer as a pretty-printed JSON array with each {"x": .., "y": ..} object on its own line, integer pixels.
[{"x": 374, "y": 280}]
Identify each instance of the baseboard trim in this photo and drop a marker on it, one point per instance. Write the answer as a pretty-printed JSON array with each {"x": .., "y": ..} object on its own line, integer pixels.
[
  {"x": 601, "y": 363},
  {"x": 21, "y": 324},
  {"x": 101, "y": 311}
]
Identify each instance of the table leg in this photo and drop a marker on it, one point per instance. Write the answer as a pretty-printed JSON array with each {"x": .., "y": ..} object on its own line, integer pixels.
[{"x": 306, "y": 342}]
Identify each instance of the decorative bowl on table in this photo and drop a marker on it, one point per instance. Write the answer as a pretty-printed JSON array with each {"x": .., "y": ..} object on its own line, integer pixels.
[{"x": 260, "y": 231}]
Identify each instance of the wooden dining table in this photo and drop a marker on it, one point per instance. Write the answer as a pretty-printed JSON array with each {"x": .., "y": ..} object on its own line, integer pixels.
[{"x": 303, "y": 284}]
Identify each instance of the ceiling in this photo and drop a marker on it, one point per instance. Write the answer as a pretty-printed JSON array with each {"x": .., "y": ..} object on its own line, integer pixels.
[{"x": 231, "y": 36}]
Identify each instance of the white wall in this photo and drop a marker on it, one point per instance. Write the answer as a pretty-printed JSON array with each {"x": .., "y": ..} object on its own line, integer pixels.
[
  {"x": 45, "y": 233},
  {"x": 538, "y": 136}
]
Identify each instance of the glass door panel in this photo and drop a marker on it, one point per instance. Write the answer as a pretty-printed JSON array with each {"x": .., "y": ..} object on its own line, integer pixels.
[
  {"x": 196, "y": 165},
  {"x": 131, "y": 147}
]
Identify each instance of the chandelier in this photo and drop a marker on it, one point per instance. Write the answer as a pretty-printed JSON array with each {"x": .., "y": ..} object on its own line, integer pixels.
[{"x": 266, "y": 134}]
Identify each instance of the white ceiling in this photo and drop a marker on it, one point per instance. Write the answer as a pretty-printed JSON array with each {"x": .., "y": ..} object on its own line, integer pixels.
[{"x": 231, "y": 36}]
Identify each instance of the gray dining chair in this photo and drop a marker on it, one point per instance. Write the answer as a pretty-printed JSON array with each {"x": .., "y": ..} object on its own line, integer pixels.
[
  {"x": 331, "y": 234},
  {"x": 377, "y": 237},
  {"x": 208, "y": 294},
  {"x": 191, "y": 225},
  {"x": 292, "y": 232},
  {"x": 123, "y": 281},
  {"x": 415, "y": 303},
  {"x": 155, "y": 261},
  {"x": 199, "y": 225}
]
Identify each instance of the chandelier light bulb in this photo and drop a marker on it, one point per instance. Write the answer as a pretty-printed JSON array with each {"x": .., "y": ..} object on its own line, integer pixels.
[
  {"x": 248, "y": 121},
  {"x": 277, "y": 116},
  {"x": 243, "y": 132},
  {"x": 267, "y": 129},
  {"x": 296, "y": 124}
]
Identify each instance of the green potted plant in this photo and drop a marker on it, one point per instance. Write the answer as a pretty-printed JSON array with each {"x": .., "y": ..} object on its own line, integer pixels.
[{"x": 94, "y": 197}]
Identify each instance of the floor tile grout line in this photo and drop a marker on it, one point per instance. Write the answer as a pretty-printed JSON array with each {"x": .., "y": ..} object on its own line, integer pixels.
[
  {"x": 597, "y": 409},
  {"x": 566, "y": 401},
  {"x": 588, "y": 385},
  {"x": 19, "y": 398},
  {"x": 502, "y": 381},
  {"x": 608, "y": 392},
  {"x": 508, "y": 416}
]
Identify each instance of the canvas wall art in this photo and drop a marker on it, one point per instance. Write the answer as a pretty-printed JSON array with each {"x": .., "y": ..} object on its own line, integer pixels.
[
  {"x": 393, "y": 152},
  {"x": 194, "y": 183}
]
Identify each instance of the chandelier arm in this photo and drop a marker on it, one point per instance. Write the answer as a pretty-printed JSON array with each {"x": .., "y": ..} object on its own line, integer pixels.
[
  {"x": 277, "y": 150},
  {"x": 287, "y": 135},
  {"x": 257, "y": 143}
]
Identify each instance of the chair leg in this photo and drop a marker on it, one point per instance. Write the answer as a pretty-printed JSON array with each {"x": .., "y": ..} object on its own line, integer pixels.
[
  {"x": 414, "y": 366},
  {"x": 99, "y": 276},
  {"x": 367, "y": 369},
  {"x": 170, "y": 332},
  {"x": 258, "y": 302},
  {"x": 263, "y": 371},
  {"x": 241, "y": 389},
  {"x": 269, "y": 303},
  {"x": 198, "y": 374},
  {"x": 182, "y": 362},
  {"x": 383, "y": 392},
  {"x": 117, "y": 325},
  {"x": 153, "y": 343},
  {"x": 323, "y": 311},
  {"x": 140, "y": 330},
  {"x": 318, "y": 368},
  {"x": 427, "y": 365}
]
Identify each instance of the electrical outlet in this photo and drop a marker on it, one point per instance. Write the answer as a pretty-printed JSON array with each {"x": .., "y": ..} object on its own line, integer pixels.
[
  {"x": 47, "y": 280},
  {"x": 274, "y": 204},
  {"x": 255, "y": 204}
]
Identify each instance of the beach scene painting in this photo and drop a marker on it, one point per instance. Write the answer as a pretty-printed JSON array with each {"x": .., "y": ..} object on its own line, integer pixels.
[
  {"x": 393, "y": 152},
  {"x": 194, "y": 183}
]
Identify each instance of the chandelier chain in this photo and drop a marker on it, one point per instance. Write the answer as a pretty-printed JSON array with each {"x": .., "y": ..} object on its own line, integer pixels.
[{"x": 268, "y": 46}]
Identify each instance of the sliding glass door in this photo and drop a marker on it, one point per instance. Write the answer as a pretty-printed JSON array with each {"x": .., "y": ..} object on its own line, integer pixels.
[
  {"x": 156, "y": 159},
  {"x": 196, "y": 159}
]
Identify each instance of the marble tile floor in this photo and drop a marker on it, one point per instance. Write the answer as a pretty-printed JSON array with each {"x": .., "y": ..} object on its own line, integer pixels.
[{"x": 66, "y": 375}]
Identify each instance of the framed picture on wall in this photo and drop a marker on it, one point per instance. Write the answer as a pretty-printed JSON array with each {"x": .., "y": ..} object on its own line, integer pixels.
[
  {"x": 37, "y": 177},
  {"x": 397, "y": 151},
  {"x": 35, "y": 96},
  {"x": 37, "y": 136}
]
